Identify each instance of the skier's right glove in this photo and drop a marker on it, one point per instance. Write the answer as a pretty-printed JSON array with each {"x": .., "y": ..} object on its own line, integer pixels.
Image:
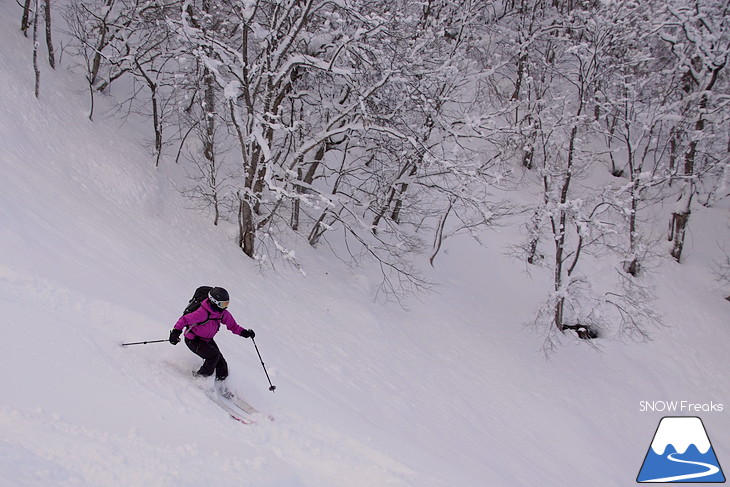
[
  {"x": 175, "y": 336},
  {"x": 247, "y": 333}
]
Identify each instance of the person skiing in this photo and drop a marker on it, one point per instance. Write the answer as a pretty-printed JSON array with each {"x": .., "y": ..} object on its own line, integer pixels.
[{"x": 200, "y": 327}]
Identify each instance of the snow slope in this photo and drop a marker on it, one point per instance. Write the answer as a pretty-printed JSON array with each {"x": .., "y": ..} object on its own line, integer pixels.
[{"x": 96, "y": 249}]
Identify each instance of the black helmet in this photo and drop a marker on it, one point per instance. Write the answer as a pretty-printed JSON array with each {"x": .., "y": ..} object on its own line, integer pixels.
[{"x": 219, "y": 298}]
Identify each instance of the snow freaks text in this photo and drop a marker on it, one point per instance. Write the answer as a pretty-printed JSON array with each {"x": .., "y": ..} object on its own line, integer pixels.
[{"x": 680, "y": 407}]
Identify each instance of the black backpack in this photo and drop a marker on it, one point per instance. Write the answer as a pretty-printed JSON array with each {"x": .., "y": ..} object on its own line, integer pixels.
[{"x": 200, "y": 294}]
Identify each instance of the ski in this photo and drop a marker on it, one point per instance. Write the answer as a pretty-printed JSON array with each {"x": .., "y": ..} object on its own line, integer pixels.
[
  {"x": 243, "y": 405},
  {"x": 236, "y": 407},
  {"x": 234, "y": 411},
  {"x": 235, "y": 400}
]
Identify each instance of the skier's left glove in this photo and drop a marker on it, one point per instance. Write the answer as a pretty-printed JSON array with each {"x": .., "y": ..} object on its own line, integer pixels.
[
  {"x": 175, "y": 336},
  {"x": 247, "y": 333}
]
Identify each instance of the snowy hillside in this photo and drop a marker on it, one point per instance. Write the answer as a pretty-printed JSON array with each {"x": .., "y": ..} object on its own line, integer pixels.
[{"x": 97, "y": 248}]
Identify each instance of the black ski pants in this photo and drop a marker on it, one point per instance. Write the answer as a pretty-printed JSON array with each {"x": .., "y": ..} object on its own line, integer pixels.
[{"x": 213, "y": 359}]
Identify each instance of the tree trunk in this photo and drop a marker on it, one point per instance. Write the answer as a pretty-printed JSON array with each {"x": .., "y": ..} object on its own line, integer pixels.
[
  {"x": 395, "y": 216},
  {"x": 102, "y": 43},
  {"x": 25, "y": 20},
  {"x": 680, "y": 216},
  {"x": 49, "y": 37},
  {"x": 307, "y": 178},
  {"x": 680, "y": 219},
  {"x": 209, "y": 138},
  {"x": 559, "y": 230},
  {"x": 631, "y": 265},
  {"x": 36, "y": 69},
  {"x": 246, "y": 226}
]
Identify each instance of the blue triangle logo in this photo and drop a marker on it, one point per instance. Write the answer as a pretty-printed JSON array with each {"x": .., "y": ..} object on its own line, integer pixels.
[{"x": 681, "y": 452}]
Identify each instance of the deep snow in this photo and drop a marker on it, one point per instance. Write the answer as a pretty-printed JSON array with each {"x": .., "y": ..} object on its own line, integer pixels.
[{"x": 97, "y": 248}]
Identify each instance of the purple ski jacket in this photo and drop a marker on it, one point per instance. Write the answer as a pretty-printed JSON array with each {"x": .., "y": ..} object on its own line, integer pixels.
[{"x": 207, "y": 331}]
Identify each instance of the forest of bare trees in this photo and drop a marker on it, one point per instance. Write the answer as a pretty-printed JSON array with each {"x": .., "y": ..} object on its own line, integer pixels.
[{"x": 377, "y": 129}]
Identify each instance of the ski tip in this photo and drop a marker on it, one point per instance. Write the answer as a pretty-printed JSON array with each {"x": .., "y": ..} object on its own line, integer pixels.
[{"x": 241, "y": 420}]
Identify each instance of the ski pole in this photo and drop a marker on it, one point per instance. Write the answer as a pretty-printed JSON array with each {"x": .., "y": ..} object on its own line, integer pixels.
[
  {"x": 144, "y": 343},
  {"x": 273, "y": 387}
]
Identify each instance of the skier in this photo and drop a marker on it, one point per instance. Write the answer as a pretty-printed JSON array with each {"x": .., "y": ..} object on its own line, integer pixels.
[{"x": 201, "y": 326}]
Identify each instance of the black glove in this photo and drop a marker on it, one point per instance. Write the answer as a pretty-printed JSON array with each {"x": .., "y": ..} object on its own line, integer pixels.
[
  {"x": 175, "y": 336},
  {"x": 247, "y": 333}
]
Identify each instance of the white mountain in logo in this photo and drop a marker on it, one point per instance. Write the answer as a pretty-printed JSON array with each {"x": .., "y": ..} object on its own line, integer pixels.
[{"x": 680, "y": 432}]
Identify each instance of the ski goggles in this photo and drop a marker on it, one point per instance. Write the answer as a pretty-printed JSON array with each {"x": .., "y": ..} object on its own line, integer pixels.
[{"x": 220, "y": 304}]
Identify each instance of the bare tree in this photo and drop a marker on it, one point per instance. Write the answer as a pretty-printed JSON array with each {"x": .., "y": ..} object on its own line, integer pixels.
[
  {"x": 633, "y": 103},
  {"x": 699, "y": 37},
  {"x": 564, "y": 87},
  {"x": 260, "y": 71},
  {"x": 92, "y": 26}
]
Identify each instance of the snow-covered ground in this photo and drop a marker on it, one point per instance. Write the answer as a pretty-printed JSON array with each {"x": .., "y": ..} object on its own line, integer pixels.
[{"x": 97, "y": 248}]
